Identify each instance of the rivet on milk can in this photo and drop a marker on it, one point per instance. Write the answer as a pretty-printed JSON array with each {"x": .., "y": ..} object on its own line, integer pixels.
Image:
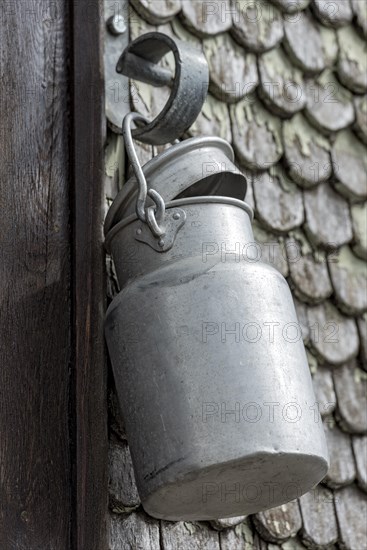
[{"x": 205, "y": 345}]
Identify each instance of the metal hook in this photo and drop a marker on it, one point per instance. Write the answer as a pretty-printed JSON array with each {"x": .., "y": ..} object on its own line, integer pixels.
[{"x": 189, "y": 84}]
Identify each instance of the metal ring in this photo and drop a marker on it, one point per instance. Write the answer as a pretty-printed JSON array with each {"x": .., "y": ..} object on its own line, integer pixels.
[
  {"x": 189, "y": 85},
  {"x": 152, "y": 223},
  {"x": 160, "y": 206}
]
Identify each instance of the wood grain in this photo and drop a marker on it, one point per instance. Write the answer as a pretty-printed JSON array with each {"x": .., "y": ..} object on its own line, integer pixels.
[
  {"x": 35, "y": 502},
  {"x": 89, "y": 288}
]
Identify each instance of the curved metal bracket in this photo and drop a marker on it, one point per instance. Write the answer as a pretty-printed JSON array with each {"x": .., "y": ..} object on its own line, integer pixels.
[
  {"x": 189, "y": 84},
  {"x": 175, "y": 219}
]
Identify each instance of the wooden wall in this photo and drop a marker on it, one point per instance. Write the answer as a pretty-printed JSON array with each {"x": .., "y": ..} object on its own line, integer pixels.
[{"x": 52, "y": 373}]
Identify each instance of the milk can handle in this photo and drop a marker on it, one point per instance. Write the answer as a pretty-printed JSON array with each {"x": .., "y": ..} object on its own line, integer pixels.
[{"x": 153, "y": 216}]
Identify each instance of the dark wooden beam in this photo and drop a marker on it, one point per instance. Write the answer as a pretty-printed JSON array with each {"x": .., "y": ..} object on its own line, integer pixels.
[
  {"x": 35, "y": 277},
  {"x": 89, "y": 289}
]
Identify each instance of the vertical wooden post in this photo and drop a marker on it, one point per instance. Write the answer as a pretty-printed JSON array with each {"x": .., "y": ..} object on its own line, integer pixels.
[
  {"x": 89, "y": 289},
  {"x": 35, "y": 277}
]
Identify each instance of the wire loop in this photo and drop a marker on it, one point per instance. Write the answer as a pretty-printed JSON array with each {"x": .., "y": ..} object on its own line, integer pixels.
[{"x": 153, "y": 216}]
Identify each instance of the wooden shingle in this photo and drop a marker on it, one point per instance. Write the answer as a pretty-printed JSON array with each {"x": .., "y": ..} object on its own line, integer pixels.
[
  {"x": 278, "y": 201},
  {"x": 360, "y": 104},
  {"x": 256, "y": 134},
  {"x": 309, "y": 276},
  {"x": 329, "y": 105},
  {"x": 360, "y": 455},
  {"x": 342, "y": 469},
  {"x": 351, "y": 510},
  {"x": 349, "y": 157},
  {"x": 333, "y": 336},
  {"x": 352, "y": 62},
  {"x": 188, "y": 536},
  {"x": 324, "y": 390},
  {"x": 306, "y": 152},
  {"x": 280, "y": 523},
  {"x": 351, "y": 391},
  {"x": 349, "y": 277},
  {"x": 319, "y": 522},
  {"x": 256, "y": 25},
  {"x": 123, "y": 494},
  {"x": 321, "y": 48},
  {"x": 334, "y": 14},
  {"x": 233, "y": 73},
  {"x": 281, "y": 83},
  {"x": 207, "y": 18},
  {"x": 157, "y": 12},
  {"x": 133, "y": 531},
  {"x": 328, "y": 222}
]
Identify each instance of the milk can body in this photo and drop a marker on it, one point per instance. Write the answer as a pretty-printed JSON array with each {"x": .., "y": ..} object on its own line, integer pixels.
[{"x": 211, "y": 370}]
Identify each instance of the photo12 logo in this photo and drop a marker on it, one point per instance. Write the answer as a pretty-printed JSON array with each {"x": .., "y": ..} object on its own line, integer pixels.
[
  {"x": 266, "y": 493},
  {"x": 267, "y": 411}
]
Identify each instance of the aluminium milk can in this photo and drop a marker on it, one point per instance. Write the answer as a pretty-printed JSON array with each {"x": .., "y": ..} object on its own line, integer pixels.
[{"x": 207, "y": 353}]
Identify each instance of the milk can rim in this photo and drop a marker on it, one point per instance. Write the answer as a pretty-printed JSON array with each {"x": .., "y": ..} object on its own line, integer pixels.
[{"x": 177, "y": 150}]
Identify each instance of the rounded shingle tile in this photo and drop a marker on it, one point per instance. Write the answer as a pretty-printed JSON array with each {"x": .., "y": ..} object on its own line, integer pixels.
[
  {"x": 359, "y": 220},
  {"x": 335, "y": 13},
  {"x": 213, "y": 120},
  {"x": 157, "y": 12},
  {"x": 362, "y": 329},
  {"x": 306, "y": 152},
  {"x": 309, "y": 274},
  {"x": 291, "y": 6},
  {"x": 352, "y": 62},
  {"x": 256, "y": 134},
  {"x": 278, "y": 200},
  {"x": 257, "y": 24},
  {"x": 281, "y": 83},
  {"x": 351, "y": 391},
  {"x": 206, "y": 18},
  {"x": 179, "y": 30},
  {"x": 319, "y": 528},
  {"x": 349, "y": 277},
  {"x": 280, "y": 523},
  {"x": 351, "y": 510},
  {"x": 242, "y": 537},
  {"x": 360, "y": 455},
  {"x": 329, "y": 105},
  {"x": 324, "y": 391},
  {"x": 333, "y": 336},
  {"x": 359, "y": 8},
  {"x": 349, "y": 158},
  {"x": 328, "y": 221},
  {"x": 233, "y": 72},
  {"x": 342, "y": 469},
  {"x": 138, "y": 26},
  {"x": 360, "y": 104},
  {"x": 310, "y": 46}
]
